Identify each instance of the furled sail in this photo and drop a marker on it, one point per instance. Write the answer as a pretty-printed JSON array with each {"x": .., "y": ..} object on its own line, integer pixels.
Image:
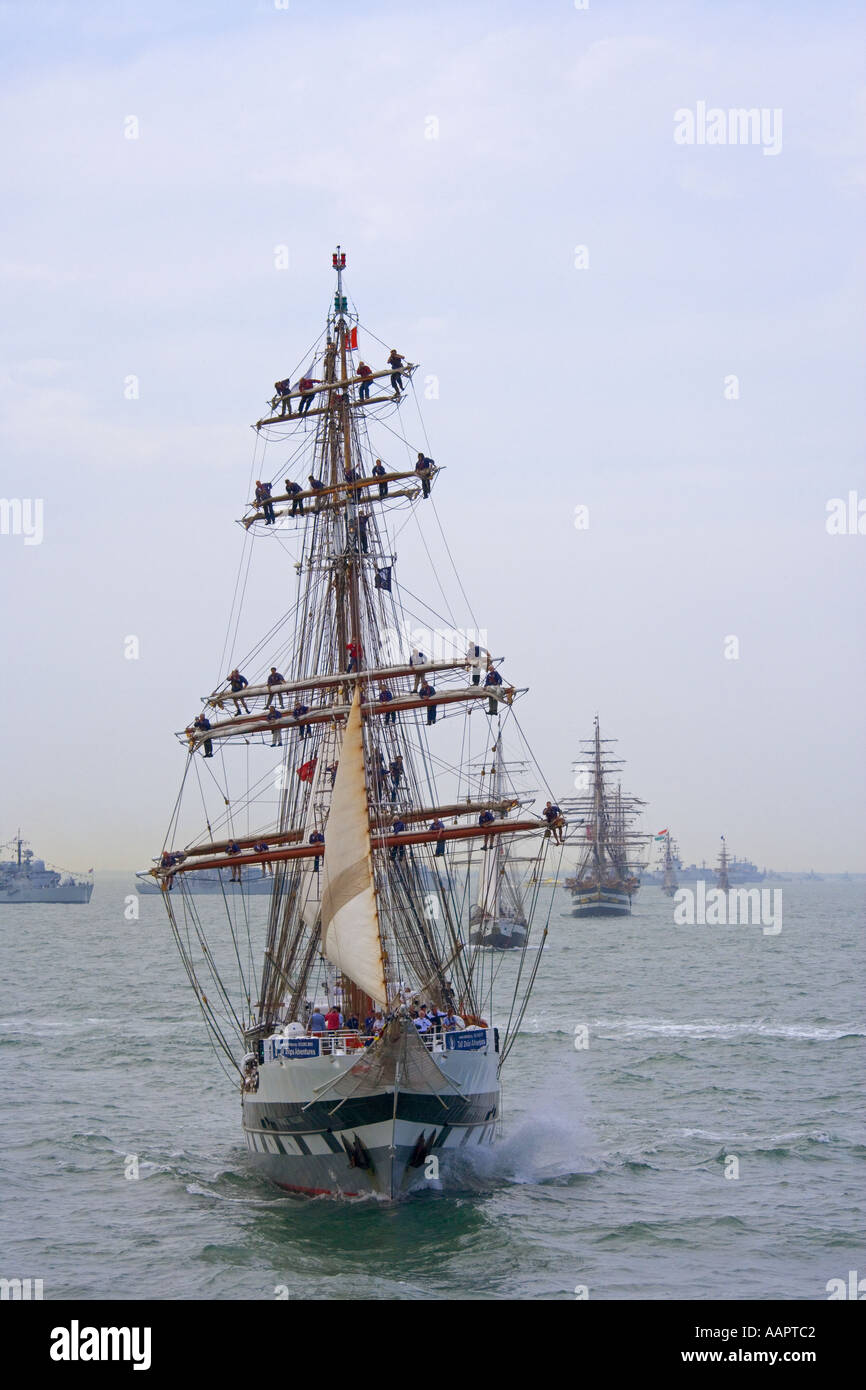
[{"x": 350, "y": 924}]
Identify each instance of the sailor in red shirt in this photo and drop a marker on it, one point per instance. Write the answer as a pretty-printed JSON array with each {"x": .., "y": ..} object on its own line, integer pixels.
[
  {"x": 332, "y": 1019},
  {"x": 365, "y": 372},
  {"x": 306, "y": 386}
]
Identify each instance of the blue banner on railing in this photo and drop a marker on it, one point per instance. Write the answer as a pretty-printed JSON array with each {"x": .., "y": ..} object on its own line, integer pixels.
[
  {"x": 294, "y": 1047},
  {"x": 470, "y": 1041}
]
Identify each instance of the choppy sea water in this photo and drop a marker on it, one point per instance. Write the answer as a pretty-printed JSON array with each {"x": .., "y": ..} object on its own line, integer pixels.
[{"x": 704, "y": 1044}]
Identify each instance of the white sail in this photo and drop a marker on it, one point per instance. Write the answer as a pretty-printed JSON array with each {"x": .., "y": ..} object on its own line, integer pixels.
[{"x": 351, "y": 940}]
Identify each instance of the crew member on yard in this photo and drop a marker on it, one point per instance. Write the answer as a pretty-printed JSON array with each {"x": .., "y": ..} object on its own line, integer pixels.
[
  {"x": 307, "y": 387},
  {"x": 365, "y": 372},
  {"x": 379, "y": 471},
  {"x": 282, "y": 389},
  {"x": 275, "y": 678},
  {"x": 263, "y": 500},
  {"x": 385, "y": 698},
  {"x": 439, "y": 827},
  {"x": 555, "y": 821},
  {"x": 491, "y": 680},
  {"x": 317, "y": 838},
  {"x": 417, "y": 658},
  {"x": 395, "y": 362},
  {"x": 233, "y": 849},
  {"x": 294, "y": 491},
  {"x": 423, "y": 467},
  {"x": 299, "y": 711},
  {"x": 203, "y": 723},
  {"x": 274, "y": 716},
  {"x": 427, "y": 691},
  {"x": 398, "y": 852},
  {"x": 238, "y": 683},
  {"x": 261, "y": 847},
  {"x": 396, "y": 770}
]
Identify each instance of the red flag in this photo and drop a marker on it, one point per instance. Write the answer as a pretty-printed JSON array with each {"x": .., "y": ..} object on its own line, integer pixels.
[
  {"x": 306, "y": 770},
  {"x": 352, "y": 338}
]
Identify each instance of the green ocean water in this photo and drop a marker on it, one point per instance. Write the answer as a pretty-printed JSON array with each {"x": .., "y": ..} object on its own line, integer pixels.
[{"x": 705, "y": 1044}]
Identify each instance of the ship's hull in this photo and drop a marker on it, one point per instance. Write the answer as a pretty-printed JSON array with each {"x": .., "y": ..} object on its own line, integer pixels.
[
  {"x": 363, "y": 1134},
  {"x": 497, "y": 938},
  {"x": 65, "y": 893},
  {"x": 601, "y": 902}
]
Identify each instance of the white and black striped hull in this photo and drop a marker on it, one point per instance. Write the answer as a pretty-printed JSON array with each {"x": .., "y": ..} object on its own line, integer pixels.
[
  {"x": 390, "y": 1143},
  {"x": 602, "y": 902}
]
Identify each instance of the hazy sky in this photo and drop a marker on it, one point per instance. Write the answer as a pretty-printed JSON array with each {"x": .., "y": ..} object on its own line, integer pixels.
[{"x": 607, "y": 383}]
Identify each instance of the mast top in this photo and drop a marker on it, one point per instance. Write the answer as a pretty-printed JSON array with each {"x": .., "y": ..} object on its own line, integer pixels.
[{"x": 338, "y": 261}]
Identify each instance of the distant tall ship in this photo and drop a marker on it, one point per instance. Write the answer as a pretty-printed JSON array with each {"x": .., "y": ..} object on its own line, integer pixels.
[
  {"x": 723, "y": 880},
  {"x": 24, "y": 879},
  {"x": 670, "y": 882},
  {"x": 607, "y": 873},
  {"x": 498, "y": 919}
]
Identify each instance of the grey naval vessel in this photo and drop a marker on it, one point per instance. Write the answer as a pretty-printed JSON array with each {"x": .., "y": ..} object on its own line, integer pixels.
[{"x": 25, "y": 879}]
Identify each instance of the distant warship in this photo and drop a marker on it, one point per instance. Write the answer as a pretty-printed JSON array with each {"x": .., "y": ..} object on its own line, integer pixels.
[{"x": 24, "y": 879}]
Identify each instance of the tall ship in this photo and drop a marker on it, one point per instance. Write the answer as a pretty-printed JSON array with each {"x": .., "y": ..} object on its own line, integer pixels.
[
  {"x": 670, "y": 861},
  {"x": 602, "y": 820},
  {"x": 498, "y": 919},
  {"x": 723, "y": 879},
  {"x": 365, "y": 1029},
  {"x": 25, "y": 879}
]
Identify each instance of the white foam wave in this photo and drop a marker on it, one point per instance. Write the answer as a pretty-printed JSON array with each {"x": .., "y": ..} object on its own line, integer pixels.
[{"x": 708, "y": 1028}]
